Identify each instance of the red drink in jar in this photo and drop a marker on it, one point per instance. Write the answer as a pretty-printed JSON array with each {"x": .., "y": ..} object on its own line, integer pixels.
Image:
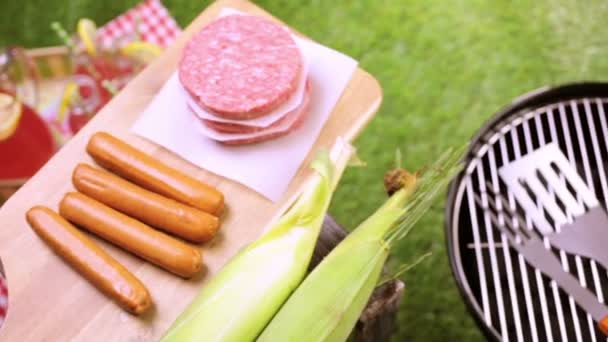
[
  {"x": 25, "y": 140},
  {"x": 92, "y": 74}
]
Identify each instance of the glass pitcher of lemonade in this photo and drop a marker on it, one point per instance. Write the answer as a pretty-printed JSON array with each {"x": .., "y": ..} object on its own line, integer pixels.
[{"x": 25, "y": 140}]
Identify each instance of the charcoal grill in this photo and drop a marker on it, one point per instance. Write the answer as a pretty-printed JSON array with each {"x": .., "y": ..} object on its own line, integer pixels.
[{"x": 510, "y": 300}]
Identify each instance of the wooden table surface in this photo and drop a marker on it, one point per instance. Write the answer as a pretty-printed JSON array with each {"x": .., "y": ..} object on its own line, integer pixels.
[{"x": 48, "y": 301}]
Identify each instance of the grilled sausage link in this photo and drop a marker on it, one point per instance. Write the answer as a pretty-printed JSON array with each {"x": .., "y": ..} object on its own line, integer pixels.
[
  {"x": 132, "y": 235},
  {"x": 143, "y": 170},
  {"x": 92, "y": 262},
  {"x": 151, "y": 208}
]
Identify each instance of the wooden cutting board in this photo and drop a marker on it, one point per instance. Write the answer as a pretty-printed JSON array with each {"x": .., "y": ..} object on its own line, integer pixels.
[{"x": 48, "y": 301}]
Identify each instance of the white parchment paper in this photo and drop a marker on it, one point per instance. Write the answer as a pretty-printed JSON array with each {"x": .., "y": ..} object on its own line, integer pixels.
[{"x": 267, "y": 167}]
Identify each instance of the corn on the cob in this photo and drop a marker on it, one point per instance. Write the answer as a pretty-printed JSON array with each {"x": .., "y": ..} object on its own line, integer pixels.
[
  {"x": 239, "y": 302},
  {"x": 327, "y": 304}
]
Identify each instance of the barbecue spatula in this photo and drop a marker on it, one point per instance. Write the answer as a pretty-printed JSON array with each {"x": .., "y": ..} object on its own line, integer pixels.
[
  {"x": 559, "y": 202},
  {"x": 532, "y": 248}
]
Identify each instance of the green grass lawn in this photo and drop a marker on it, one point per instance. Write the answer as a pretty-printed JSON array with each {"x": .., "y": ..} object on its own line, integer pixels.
[{"x": 445, "y": 67}]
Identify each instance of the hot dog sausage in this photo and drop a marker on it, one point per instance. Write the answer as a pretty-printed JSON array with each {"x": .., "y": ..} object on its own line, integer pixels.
[
  {"x": 143, "y": 170},
  {"x": 92, "y": 262},
  {"x": 130, "y": 234},
  {"x": 153, "y": 209}
]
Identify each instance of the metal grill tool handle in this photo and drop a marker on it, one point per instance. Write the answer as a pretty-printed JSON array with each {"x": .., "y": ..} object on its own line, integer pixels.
[
  {"x": 547, "y": 263},
  {"x": 532, "y": 248}
]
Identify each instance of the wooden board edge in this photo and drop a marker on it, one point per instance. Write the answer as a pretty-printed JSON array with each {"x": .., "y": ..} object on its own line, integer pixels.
[{"x": 350, "y": 135}]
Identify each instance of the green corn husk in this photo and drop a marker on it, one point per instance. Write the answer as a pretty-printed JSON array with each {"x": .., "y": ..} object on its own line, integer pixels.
[
  {"x": 243, "y": 297},
  {"x": 328, "y": 303}
]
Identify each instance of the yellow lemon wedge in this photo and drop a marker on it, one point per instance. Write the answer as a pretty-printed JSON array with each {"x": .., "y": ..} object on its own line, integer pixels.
[
  {"x": 70, "y": 93},
  {"x": 87, "y": 31},
  {"x": 10, "y": 113},
  {"x": 143, "y": 52}
]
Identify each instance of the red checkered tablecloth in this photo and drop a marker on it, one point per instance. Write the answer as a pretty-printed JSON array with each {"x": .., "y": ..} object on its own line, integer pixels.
[{"x": 153, "y": 22}]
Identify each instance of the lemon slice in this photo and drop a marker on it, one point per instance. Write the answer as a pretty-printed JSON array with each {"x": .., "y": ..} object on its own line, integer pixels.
[
  {"x": 70, "y": 94},
  {"x": 87, "y": 31},
  {"x": 10, "y": 113},
  {"x": 143, "y": 52}
]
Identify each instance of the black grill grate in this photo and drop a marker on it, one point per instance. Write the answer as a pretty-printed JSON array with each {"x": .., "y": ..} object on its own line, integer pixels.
[{"x": 514, "y": 301}]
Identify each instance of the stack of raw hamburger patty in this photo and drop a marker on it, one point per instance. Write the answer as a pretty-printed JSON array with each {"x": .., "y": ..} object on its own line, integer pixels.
[{"x": 246, "y": 80}]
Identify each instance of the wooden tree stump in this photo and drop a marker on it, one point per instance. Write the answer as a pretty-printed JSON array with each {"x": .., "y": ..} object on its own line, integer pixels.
[{"x": 377, "y": 322}]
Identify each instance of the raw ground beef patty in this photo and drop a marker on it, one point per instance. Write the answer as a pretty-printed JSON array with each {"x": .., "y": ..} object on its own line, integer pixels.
[
  {"x": 241, "y": 67},
  {"x": 287, "y": 124},
  {"x": 225, "y": 127}
]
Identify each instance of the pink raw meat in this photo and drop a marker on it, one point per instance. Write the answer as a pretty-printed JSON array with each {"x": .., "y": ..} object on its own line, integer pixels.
[
  {"x": 241, "y": 66},
  {"x": 225, "y": 127},
  {"x": 292, "y": 121}
]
